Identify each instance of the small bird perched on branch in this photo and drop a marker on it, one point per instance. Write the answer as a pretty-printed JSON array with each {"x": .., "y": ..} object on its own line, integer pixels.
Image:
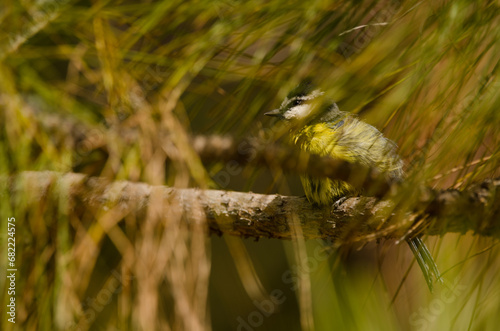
[{"x": 319, "y": 127}]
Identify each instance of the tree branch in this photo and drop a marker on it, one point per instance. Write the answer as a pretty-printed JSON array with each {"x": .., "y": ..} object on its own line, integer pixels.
[{"x": 358, "y": 219}]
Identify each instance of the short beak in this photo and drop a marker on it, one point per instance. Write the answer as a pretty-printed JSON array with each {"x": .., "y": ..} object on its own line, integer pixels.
[{"x": 274, "y": 112}]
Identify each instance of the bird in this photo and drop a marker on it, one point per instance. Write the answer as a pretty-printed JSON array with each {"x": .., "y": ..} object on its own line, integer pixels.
[{"x": 317, "y": 126}]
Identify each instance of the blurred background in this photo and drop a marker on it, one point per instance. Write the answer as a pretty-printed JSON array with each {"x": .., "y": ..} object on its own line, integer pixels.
[{"x": 116, "y": 89}]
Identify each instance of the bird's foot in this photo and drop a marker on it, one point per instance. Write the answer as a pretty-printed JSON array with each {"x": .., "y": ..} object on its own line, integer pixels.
[{"x": 338, "y": 203}]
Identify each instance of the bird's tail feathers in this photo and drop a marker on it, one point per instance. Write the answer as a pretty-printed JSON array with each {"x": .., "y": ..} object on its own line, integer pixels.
[{"x": 425, "y": 261}]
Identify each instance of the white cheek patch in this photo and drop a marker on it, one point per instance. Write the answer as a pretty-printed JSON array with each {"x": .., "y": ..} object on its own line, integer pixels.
[
  {"x": 303, "y": 110},
  {"x": 298, "y": 112}
]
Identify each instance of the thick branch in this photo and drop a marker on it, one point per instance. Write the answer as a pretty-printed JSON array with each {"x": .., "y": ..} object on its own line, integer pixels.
[{"x": 359, "y": 219}]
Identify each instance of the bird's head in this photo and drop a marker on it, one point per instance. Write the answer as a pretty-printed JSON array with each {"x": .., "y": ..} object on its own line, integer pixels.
[{"x": 302, "y": 104}]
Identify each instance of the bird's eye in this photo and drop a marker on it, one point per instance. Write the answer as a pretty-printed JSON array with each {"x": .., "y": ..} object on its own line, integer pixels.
[{"x": 297, "y": 102}]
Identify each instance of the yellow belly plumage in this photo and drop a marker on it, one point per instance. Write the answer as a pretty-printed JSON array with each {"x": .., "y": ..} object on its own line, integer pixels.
[{"x": 348, "y": 139}]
